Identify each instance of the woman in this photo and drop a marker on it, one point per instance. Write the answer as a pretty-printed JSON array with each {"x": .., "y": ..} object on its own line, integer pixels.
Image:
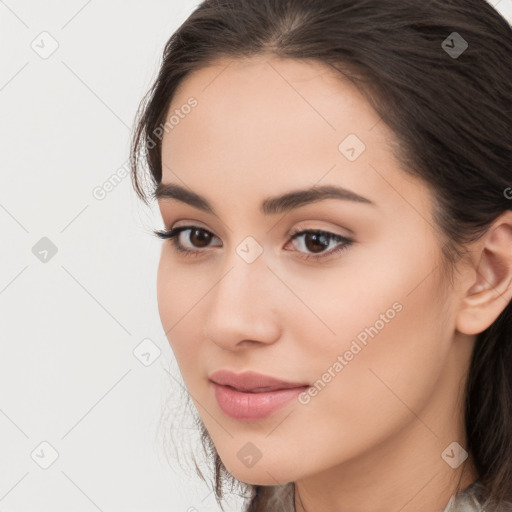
[{"x": 336, "y": 277}]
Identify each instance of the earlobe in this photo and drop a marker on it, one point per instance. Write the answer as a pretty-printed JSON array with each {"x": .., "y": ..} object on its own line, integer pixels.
[{"x": 491, "y": 290}]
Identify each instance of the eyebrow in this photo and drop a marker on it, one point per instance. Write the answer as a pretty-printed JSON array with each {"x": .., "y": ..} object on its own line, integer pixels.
[{"x": 270, "y": 206}]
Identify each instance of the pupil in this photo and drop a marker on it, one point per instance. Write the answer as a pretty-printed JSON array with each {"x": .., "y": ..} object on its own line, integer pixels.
[{"x": 317, "y": 238}]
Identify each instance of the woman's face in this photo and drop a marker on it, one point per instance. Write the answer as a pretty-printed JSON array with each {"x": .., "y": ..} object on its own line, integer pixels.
[{"x": 373, "y": 325}]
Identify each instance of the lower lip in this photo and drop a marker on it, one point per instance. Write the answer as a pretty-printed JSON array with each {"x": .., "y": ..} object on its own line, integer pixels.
[{"x": 252, "y": 406}]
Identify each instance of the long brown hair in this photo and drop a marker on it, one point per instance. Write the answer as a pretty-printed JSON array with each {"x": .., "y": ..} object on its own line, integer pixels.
[{"x": 450, "y": 107}]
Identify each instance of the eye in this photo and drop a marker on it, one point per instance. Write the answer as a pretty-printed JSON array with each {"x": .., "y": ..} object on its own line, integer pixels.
[
  {"x": 318, "y": 240},
  {"x": 197, "y": 235},
  {"x": 314, "y": 240}
]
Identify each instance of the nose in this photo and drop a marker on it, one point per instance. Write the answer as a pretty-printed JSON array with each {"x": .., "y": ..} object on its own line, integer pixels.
[{"x": 243, "y": 307}]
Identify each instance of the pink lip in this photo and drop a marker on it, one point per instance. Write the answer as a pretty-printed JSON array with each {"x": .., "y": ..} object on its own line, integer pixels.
[{"x": 250, "y": 396}]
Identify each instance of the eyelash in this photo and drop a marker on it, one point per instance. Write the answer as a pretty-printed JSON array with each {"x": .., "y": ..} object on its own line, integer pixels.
[{"x": 173, "y": 235}]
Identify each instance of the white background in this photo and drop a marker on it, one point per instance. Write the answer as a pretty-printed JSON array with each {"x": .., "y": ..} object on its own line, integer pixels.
[{"x": 68, "y": 374}]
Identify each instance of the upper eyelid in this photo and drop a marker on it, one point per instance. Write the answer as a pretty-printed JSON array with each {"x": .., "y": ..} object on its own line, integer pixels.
[
  {"x": 187, "y": 228},
  {"x": 290, "y": 232}
]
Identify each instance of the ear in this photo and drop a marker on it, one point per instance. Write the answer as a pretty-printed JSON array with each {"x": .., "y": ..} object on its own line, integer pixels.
[{"x": 488, "y": 287}]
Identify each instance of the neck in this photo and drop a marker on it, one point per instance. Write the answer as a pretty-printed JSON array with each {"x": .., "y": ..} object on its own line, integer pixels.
[{"x": 428, "y": 487}]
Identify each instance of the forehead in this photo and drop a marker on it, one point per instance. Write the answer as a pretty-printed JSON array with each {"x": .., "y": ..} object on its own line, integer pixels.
[
  {"x": 266, "y": 124},
  {"x": 276, "y": 99}
]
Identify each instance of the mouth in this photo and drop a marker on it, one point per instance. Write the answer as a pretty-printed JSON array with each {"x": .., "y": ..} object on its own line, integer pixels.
[
  {"x": 252, "y": 382},
  {"x": 257, "y": 390},
  {"x": 251, "y": 396}
]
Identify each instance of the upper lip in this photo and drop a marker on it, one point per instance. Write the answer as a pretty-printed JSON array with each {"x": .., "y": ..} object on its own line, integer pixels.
[{"x": 251, "y": 381}]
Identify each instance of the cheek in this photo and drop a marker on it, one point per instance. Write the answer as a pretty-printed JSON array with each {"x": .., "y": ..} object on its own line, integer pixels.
[
  {"x": 178, "y": 288},
  {"x": 180, "y": 292},
  {"x": 372, "y": 398},
  {"x": 387, "y": 304},
  {"x": 176, "y": 296},
  {"x": 391, "y": 334},
  {"x": 166, "y": 284}
]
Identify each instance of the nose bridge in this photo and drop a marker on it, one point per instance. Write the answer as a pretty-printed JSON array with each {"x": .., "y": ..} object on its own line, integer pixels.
[
  {"x": 244, "y": 281},
  {"x": 247, "y": 272},
  {"x": 242, "y": 306}
]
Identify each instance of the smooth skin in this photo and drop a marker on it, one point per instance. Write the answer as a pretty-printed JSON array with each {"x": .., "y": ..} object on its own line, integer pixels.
[{"x": 372, "y": 439}]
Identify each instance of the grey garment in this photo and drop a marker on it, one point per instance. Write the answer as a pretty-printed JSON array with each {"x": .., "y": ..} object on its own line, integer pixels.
[{"x": 470, "y": 499}]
